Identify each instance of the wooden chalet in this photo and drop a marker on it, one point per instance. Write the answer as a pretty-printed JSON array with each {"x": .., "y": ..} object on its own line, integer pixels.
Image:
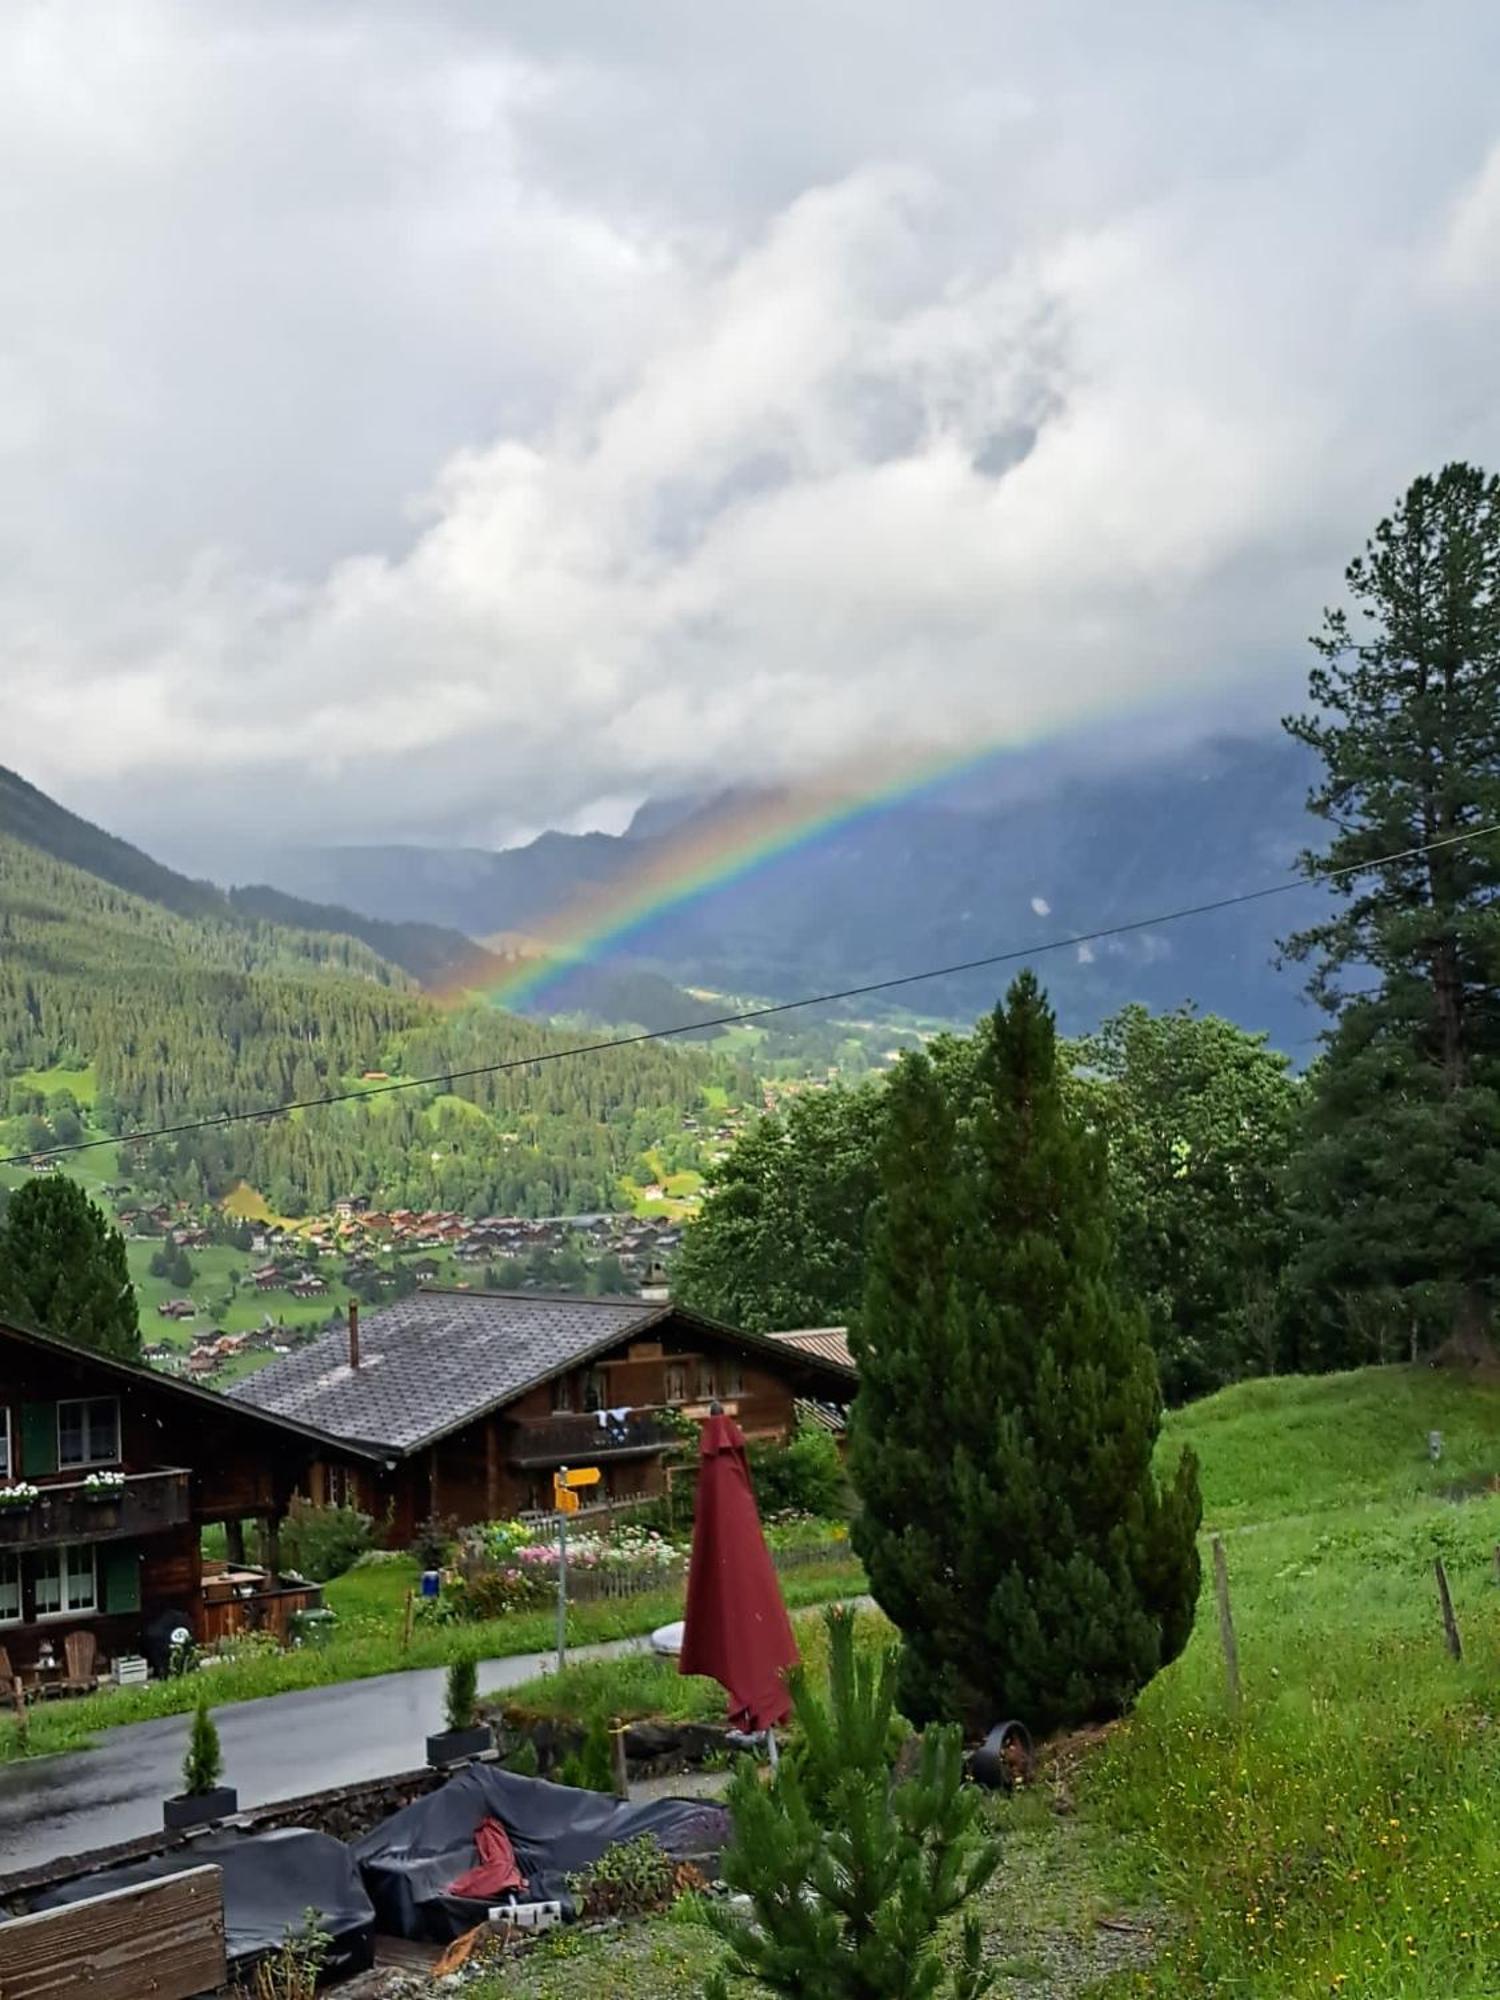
[
  {"x": 464, "y": 1403},
  {"x": 129, "y": 1465}
]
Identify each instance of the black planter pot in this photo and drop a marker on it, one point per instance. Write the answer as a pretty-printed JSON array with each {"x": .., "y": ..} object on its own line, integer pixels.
[
  {"x": 455, "y": 1746},
  {"x": 199, "y": 1808}
]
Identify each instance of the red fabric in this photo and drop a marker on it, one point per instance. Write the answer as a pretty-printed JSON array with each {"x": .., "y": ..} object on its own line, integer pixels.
[
  {"x": 736, "y": 1629},
  {"x": 497, "y": 1870}
]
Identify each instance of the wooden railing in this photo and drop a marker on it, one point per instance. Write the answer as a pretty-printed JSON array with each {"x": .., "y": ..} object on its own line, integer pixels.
[
  {"x": 583, "y": 1440},
  {"x": 67, "y": 1511}
]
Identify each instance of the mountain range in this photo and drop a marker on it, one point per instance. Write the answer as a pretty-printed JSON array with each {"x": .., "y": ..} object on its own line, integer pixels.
[{"x": 1033, "y": 863}]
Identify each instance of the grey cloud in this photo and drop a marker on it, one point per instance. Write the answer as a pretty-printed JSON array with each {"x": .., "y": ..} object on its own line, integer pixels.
[{"x": 430, "y": 422}]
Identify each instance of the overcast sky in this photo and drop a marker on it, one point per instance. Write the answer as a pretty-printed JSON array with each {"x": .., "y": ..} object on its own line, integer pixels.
[{"x": 434, "y": 421}]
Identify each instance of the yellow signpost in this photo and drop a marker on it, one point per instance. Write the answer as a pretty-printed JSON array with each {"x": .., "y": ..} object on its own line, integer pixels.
[{"x": 567, "y": 1482}]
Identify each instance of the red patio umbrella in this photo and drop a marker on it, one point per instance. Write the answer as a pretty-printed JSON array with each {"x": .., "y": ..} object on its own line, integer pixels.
[{"x": 735, "y": 1629}]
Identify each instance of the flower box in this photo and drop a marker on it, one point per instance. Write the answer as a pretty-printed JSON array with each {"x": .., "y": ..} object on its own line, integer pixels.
[
  {"x": 104, "y": 1486},
  {"x": 457, "y": 1746},
  {"x": 189, "y": 1809},
  {"x": 17, "y": 1496}
]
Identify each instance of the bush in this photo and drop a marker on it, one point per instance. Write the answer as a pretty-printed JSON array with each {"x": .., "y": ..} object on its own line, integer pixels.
[
  {"x": 321, "y": 1542},
  {"x": 435, "y": 1540},
  {"x": 590, "y": 1768},
  {"x": 805, "y": 1475},
  {"x": 629, "y": 1880},
  {"x": 204, "y": 1763}
]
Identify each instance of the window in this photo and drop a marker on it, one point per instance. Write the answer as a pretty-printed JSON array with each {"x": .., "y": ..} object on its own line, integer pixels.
[
  {"x": 88, "y": 1432},
  {"x": 343, "y": 1487},
  {"x": 5, "y": 1458},
  {"x": 66, "y": 1582},
  {"x": 10, "y": 1590},
  {"x": 706, "y": 1386},
  {"x": 562, "y": 1396},
  {"x": 676, "y": 1382},
  {"x": 734, "y": 1379},
  {"x": 595, "y": 1390}
]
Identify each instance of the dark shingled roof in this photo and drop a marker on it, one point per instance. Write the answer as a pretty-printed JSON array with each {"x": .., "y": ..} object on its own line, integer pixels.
[{"x": 431, "y": 1362}]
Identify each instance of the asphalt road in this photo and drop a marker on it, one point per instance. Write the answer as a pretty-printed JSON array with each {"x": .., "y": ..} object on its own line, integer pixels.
[{"x": 276, "y": 1748}]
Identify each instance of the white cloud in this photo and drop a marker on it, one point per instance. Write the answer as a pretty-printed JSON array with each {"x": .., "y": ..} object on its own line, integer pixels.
[
  {"x": 438, "y": 423},
  {"x": 1040, "y": 906}
]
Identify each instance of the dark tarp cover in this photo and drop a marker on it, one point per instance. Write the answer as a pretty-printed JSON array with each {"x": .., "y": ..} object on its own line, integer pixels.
[
  {"x": 271, "y": 1880},
  {"x": 410, "y": 1860}
]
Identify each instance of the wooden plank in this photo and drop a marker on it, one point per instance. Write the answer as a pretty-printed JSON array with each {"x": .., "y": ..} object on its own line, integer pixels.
[{"x": 162, "y": 1938}]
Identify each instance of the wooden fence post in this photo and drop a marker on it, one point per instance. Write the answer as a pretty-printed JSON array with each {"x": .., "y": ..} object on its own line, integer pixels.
[
  {"x": 1450, "y": 1624},
  {"x": 1226, "y": 1628},
  {"x": 618, "y": 1762}
]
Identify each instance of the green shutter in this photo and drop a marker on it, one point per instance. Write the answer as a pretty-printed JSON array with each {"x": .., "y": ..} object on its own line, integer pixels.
[
  {"x": 120, "y": 1576},
  {"x": 38, "y": 1439}
]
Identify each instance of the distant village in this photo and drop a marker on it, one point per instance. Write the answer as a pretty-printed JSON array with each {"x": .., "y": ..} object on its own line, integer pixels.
[{"x": 375, "y": 1253}]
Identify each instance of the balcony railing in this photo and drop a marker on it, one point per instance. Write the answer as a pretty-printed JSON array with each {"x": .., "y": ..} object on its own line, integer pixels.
[
  {"x": 583, "y": 1440},
  {"x": 147, "y": 1504}
]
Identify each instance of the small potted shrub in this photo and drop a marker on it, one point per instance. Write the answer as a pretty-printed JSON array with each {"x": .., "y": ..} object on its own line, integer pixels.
[
  {"x": 464, "y": 1737},
  {"x": 202, "y": 1798}
]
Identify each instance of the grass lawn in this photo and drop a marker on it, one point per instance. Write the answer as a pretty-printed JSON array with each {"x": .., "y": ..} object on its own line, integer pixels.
[
  {"x": 83, "y": 1083},
  {"x": 1340, "y": 1837},
  {"x": 371, "y": 1604}
]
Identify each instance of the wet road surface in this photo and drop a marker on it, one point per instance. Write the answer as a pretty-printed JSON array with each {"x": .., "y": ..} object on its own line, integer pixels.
[{"x": 275, "y": 1748}]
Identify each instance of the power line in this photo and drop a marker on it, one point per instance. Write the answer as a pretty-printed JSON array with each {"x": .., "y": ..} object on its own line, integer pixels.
[{"x": 992, "y": 959}]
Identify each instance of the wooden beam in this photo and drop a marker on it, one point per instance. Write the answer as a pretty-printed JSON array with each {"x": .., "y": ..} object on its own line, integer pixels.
[
  {"x": 164, "y": 1938},
  {"x": 492, "y": 1468}
]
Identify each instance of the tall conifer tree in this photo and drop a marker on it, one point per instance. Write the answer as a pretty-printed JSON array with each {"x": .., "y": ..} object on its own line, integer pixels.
[
  {"x": 63, "y": 1269},
  {"x": 1398, "y": 1188},
  {"x": 1002, "y": 1441}
]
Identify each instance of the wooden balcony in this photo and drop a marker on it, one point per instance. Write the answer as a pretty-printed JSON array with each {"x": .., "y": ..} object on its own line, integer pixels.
[
  {"x": 583, "y": 1440},
  {"x": 65, "y": 1511}
]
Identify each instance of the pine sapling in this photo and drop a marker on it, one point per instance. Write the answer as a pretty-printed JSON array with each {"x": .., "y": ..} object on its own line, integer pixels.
[
  {"x": 850, "y": 1873},
  {"x": 462, "y": 1691},
  {"x": 203, "y": 1765}
]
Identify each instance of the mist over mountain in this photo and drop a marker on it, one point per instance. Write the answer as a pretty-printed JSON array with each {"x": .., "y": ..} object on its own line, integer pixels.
[{"x": 931, "y": 882}]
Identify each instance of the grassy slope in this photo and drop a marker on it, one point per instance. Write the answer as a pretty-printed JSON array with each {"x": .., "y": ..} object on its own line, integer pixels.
[
  {"x": 1341, "y": 1839},
  {"x": 1337, "y": 1839}
]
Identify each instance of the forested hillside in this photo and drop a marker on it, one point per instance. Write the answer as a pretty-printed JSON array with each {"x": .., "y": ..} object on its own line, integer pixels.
[
  {"x": 179, "y": 1017},
  {"x": 432, "y": 953}
]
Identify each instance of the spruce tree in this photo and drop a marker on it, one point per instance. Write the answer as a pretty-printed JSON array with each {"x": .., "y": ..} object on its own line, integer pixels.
[
  {"x": 1002, "y": 1439},
  {"x": 850, "y": 1873},
  {"x": 63, "y": 1269},
  {"x": 203, "y": 1764},
  {"x": 1397, "y": 1189}
]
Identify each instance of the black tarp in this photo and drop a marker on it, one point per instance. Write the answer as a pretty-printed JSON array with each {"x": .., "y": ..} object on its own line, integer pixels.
[
  {"x": 409, "y": 1860},
  {"x": 271, "y": 1880}
]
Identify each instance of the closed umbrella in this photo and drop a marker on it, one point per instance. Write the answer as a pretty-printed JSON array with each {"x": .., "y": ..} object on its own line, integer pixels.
[{"x": 736, "y": 1629}]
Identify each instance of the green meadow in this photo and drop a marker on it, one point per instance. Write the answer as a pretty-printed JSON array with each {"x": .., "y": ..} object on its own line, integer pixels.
[{"x": 1339, "y": 1836}]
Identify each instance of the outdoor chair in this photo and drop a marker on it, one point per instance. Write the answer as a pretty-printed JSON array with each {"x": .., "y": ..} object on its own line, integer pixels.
[{"x": 79, "y": 1650}]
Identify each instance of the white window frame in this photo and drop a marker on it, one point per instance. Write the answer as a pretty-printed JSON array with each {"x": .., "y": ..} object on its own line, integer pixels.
[
  {"x": 7, "y": 1450},
  {"x": 10, "y": 1559},
  {"x": 91, "y": 1456},
  {"x": 62, "y": 1553}
]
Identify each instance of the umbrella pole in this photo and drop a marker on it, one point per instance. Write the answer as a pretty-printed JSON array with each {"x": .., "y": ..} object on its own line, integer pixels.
[{"x": 562, "y": 1591}]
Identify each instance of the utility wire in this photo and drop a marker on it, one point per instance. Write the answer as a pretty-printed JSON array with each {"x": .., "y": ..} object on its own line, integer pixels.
[{"x": 451, "y": 1076}]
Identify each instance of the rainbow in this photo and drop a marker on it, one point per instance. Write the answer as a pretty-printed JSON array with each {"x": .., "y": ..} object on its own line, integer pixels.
[{"x": 706, "y": 858}]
